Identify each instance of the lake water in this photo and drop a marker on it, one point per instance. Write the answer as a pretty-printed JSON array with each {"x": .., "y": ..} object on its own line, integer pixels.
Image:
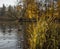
[{"x": 10, "y": 40}]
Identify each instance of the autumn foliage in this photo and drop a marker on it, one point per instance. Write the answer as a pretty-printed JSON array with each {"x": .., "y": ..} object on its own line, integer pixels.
[{"x": 45, "y": 32}]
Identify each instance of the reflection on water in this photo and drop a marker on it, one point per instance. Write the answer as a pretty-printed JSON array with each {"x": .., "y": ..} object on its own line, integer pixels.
[{"x": 9, "y": 40}]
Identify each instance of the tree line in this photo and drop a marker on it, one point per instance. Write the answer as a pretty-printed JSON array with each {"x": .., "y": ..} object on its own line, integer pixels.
[{"x": 10, "y": 11}]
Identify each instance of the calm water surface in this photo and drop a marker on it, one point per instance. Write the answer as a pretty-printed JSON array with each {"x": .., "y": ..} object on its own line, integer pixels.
[{"x": 9, "y": 40}]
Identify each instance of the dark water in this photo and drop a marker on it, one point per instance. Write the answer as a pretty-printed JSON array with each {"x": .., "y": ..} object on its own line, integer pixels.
[{"x": 10, "y": 40}]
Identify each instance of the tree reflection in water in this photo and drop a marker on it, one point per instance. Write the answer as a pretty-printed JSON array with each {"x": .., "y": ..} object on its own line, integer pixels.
[
  {"x": 3, "y": 29},
  {"x": 10, "y": 34},
  {"x": 9, "y": 30}
]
